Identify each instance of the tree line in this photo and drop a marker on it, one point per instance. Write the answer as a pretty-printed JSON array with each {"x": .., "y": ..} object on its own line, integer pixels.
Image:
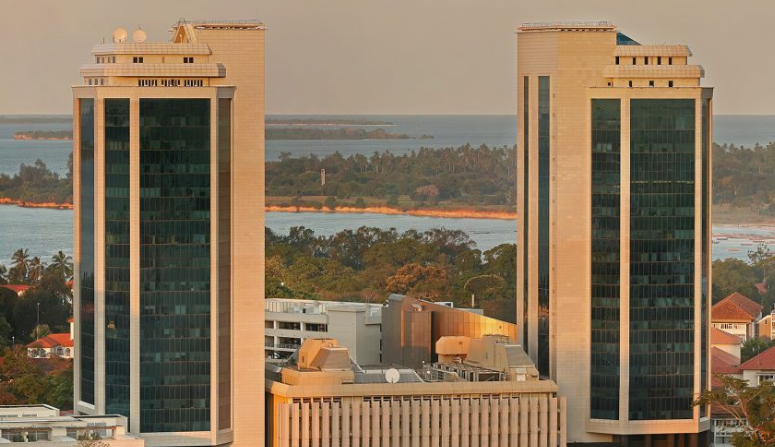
[
  {"x": 49, "y": 291},
  {"x": 745, "y": 177},
  {"x": 467, "y": 175},
  {"x": 24, "y": 380},
  {"x": 36, "y": 183},
  {"x": 368, "y": 264}
]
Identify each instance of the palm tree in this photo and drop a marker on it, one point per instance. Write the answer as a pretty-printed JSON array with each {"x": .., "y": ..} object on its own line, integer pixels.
[
  {"x": 20, "y": 260},
  {"x": 62, "y": 263},
  {"x": 35, "y": 269}
]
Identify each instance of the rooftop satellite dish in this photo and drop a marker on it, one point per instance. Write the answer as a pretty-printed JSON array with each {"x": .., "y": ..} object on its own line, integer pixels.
[
  {"x": 119, "y": 35},
  {"x": 392, "y": 375},
  {"x": 139, "y": 35}
]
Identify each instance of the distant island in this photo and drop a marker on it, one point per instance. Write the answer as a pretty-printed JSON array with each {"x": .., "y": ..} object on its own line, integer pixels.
[
  {"x": 43, "y": 135},
  {"x": 325, "y": 122},
  {"x": 337, "y": 134}
]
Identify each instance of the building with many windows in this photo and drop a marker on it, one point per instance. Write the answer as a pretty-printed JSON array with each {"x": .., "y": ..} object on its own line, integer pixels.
[
  {"x": 169, "y": 233},
  {"x": 489, "y": 395},
  {"x": 46, "y": 426},
  {"x": 613, "y": 274},
  {"x": 357, "y": 327}
]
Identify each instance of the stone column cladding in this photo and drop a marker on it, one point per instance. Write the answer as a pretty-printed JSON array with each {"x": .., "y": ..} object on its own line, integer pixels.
[
  {"x": 242, "y": 52},
  {"x": 485, "y": 422}
]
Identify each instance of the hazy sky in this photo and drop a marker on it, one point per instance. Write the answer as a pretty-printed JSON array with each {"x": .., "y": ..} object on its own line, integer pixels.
[{"x": 386, "y": 56}]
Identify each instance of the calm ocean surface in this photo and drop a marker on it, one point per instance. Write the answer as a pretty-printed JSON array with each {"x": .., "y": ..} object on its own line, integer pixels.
[{"x": 46, "y": 231}]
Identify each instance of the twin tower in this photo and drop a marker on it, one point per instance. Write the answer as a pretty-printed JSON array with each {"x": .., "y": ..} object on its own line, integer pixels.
[
  {"x": 614, "y": 229},
  {"x": 613, "y": 249}
]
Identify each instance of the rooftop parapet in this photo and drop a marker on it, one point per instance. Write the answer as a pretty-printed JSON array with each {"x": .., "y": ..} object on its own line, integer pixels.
[
  {"x": 652, "y": 50},
  {"x": 567, "y": 26}
]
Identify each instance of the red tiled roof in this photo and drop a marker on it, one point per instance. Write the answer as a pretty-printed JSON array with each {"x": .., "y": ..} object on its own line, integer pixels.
[
  {"x": 761, "y": 287},
  {"x": 723, "y": 362},
  {"x": 763, "y": 361},
  {"x": 18, "y": 288},
  {"x": 719, "y": 337},
  {"x": 736, "y": 307},
  {"x": 52, "y": 341}
]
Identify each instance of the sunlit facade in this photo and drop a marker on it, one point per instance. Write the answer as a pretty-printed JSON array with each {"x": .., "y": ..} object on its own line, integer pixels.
[
  {"x": 411, "y": 328},
  {"x": 614, "y": 254},
  {"x": 169, "y": 234}
]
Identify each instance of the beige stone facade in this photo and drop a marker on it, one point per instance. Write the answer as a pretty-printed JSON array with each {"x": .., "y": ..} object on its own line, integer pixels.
[
  {"x": 43, "y": 425},
  {"x": 323, "y": 402},
  {"x": 579, "y": 63},
  {"x": 221, "y": 62}
]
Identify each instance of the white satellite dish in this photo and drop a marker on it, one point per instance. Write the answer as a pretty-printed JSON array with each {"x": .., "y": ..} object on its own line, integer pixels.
[
  {"x": 119, "y": 35},
  {"x": 392, "y": 375},
  {"x": 139, "y": 35}
]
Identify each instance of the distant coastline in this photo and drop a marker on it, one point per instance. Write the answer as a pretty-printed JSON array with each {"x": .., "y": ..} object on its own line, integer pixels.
[
  {"x": 459, "y": 213},
  {"x": 26, "y": 204},
  {"x": 59, "y": 135},
  {"x": 308, "y": 133},
  {"x": 325, "y": 122}
]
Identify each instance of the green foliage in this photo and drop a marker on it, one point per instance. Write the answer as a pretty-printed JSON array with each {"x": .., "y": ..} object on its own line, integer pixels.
[
  {"x": 330, "y": 202},
  {"x": 27, "y": 381},
  {"x": 38, "y": 184},
  {"x": 752, "y": 407},
  {"x": 367, "y": 264},
  {"x": 734, "y": 275},
  {"x": 49, "y": 291},
  {"x": 745, "y": 177},
  {"x": 753, "y": 347},
  {"x": 466, "y": 175}
]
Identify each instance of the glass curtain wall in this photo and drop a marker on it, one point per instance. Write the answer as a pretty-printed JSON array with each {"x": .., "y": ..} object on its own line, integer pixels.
[
  {"x": 544, "y": 177},
  {"x": 86, "y": 111},
  {"x": 117, "y": 256},
  {"x": 662, "y": 243},
  {"x": 606, "y": 281},
  {"x": 175, "y": 265}
]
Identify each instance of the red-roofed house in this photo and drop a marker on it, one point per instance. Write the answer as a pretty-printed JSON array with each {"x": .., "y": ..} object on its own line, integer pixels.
[
  {"x": 53, "y": 345},
  {"x": 737, "y": 315},
  {"x": 760, "y": 368},
  {"x": 19, "y": 289},
  {"x": 726, "y": 342},
  {"x": 724, "y": 363}
]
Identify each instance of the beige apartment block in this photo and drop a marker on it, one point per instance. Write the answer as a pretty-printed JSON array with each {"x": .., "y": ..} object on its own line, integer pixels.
[
  {"x": 169, "y": 233},
  {"x": 490, "y": 396},
  {"x": 614, "y": 229},
  {"x": 46, "y": 426},
  {"x": 357, "y": 327}
]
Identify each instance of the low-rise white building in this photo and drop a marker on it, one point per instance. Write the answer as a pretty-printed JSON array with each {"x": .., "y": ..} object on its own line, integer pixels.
[
  {"x": 54, "y": 345},
  {"x": 357, "y": 326},
  {"x": 44, "y": 426},
  {"x": 760, "y": 368}
]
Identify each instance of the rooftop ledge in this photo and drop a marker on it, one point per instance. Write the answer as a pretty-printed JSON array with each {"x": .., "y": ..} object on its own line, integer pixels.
[{"x": 560, "y": 26}]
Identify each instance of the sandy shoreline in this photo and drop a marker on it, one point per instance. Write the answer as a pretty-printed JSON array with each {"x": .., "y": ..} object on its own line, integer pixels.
[
  {"x": 428, "y": 212},
  {"x": 442, "y": 212},
  {"x": 23, "y": 204}
]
